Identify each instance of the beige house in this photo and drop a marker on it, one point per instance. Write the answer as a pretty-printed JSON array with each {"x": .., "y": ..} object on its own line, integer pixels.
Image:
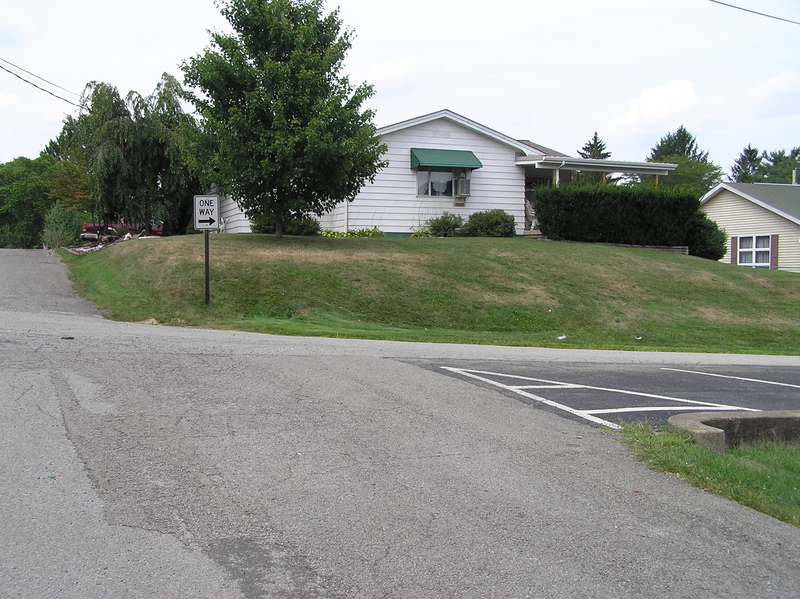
[{"x": 762, "y": 221}]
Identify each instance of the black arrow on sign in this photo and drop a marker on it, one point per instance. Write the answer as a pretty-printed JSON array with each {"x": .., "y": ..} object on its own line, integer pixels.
[{"x": 210, "y": 221}]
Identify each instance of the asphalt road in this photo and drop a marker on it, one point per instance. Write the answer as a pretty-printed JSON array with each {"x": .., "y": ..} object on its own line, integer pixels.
[{"x": 144, "y": 461}]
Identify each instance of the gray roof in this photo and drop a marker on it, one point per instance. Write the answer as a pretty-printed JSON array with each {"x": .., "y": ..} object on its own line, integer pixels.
[
  {"x": 543, "y": 149},
  {"x": 780, "y": 197}
]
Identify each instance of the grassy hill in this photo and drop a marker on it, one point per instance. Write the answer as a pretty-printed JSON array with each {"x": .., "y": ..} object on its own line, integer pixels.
[{"x": 461, "y": 290}]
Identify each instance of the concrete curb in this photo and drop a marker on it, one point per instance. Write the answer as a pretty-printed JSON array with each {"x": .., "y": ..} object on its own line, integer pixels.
[{"x": 723, "y": 430}]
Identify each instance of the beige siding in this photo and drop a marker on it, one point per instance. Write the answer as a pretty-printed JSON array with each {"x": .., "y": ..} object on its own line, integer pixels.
[
  {"x": 740, "y": 217},
  {"x": 391, "y": 202}
]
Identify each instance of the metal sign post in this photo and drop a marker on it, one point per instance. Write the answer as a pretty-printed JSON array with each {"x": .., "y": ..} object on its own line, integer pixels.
[{"x": 206, "y": 215}]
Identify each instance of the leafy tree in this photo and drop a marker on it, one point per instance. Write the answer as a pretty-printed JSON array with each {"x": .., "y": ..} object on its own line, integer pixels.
[
  {"x": 24, "y": 201},
  {"x": 765, "y": 167},
  {"x": 595, "y": 148},
  {"x": 679, "y": 143},
  {"x": 778, "y": 165},
  {"x": 165, "y": 181},
  {"x": 129, "y": 158},
  {"x": 285, "y": 125},
  {"x": 695, "y": 171},
  {"x": 748, "y": 167},
  {"x": 62, "y": 226},
  {"x": 70, "y": 182},
  {"x": 695, "y": 175}
]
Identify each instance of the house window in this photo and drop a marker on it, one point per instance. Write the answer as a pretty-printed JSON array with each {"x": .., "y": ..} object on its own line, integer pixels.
[
  {"x": 755, "y": 251},
  {"x": 435, "y": 182}
]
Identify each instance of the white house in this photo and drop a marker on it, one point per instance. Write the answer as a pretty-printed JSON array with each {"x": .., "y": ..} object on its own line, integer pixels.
[
  {"x": 446, "y": 162},
  {"x": 762, "y": 221}
]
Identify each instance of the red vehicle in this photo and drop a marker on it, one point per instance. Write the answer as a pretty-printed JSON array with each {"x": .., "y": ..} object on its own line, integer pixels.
[{"x": 93, "y": 231}]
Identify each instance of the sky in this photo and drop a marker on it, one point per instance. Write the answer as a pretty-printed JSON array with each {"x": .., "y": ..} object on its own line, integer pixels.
[{"x": 552, "y": 72}]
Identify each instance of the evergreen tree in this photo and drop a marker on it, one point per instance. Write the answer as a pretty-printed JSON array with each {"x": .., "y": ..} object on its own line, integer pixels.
[
  {"x": 748, "y": 167},
  {"x": 595, "y": 148},
  {"x": 679, "y": 143}
]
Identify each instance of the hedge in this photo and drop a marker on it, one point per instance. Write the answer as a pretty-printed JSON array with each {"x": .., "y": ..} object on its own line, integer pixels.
[{"x": 642, "y": 215}]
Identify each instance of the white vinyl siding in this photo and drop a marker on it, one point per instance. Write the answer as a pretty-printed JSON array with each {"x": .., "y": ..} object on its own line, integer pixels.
[
  {"x": 391, "y": 203},
  {"x": 233, "y": 219},
  {"x": 742, "y": 218}
]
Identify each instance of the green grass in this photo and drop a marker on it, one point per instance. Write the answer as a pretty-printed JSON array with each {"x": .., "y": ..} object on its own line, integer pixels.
[
  {"x": 461, "y": 290},
  {"x": 764, "y": 478}
]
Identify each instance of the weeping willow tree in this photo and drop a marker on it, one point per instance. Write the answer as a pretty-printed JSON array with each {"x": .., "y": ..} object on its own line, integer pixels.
[{"x": 134, "y": 155}]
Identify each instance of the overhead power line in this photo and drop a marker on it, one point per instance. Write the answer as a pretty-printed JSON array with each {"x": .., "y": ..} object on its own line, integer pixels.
[
  {"x": 755, "y": 12},
  {"x": 39, "y": 87},
  {"x": 8, "y": 62}
]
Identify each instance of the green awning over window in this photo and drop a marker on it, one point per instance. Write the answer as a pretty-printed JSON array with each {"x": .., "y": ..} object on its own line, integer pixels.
[{"x": 443, "y": 158}]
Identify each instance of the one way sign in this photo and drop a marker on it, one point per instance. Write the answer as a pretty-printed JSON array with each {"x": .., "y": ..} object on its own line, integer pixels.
[{"x": 206, "y": 212}]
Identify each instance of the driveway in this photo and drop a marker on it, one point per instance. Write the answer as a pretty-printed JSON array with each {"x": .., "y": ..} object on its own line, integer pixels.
[{"x": 145, "y": 461}]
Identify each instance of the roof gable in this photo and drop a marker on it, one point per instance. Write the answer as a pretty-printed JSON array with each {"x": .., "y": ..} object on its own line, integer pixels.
[
  {"x": 780, "y": 198},
  {"x": 449, "y": 115}
]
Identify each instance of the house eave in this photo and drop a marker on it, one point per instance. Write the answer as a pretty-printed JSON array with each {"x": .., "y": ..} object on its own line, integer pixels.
[{"x": 596, "y": 165}]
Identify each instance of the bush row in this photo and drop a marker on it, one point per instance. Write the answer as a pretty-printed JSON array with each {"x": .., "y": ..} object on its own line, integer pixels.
[
  {"x": 492, "y": 223},
  {"x": 373, "y": 232}
]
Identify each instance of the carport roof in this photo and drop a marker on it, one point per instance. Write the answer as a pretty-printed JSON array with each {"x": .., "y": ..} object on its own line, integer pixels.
[{"x": 596, "y": 165}]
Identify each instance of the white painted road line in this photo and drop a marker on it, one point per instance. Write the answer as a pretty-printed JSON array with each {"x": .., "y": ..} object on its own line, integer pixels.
[
  {"x": 738, "y": 378},
  {"x": 590, "y": 415}
]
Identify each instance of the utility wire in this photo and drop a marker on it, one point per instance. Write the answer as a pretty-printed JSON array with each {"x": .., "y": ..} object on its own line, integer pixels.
[
  {"x": 39, "y": 87},
  {"x": 761, "y": 14},
  {"x": 8, "y": 62}
]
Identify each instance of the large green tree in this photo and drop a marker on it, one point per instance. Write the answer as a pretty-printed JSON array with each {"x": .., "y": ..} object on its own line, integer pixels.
[
  {"x": 288, "y": 131},
  {"x": 776, "y": 166},
  {"x": 129, "y": 159},
  {"x": 695, "y": 171},
  {"x": 24, "y": 201},
  {"x": 677, "y": 143}
]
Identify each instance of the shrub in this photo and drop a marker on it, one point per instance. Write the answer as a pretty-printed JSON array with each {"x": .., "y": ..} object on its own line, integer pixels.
[
  {"x": 62, "y": 227},
  {"x": 446, "y": 225},
  {"x": 704, "y": 237},
  {"x": 297, "y": 225},
  {"x": 641, "y": 215},
  {"x": 492, "y": 223},
  {"x": 373, "y": 232}
]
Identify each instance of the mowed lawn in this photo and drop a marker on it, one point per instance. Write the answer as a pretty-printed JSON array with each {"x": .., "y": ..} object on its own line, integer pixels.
[{"x": 515, "y": 291}]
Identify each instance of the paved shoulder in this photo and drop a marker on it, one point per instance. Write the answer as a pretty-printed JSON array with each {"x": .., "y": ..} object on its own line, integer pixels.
[{"x": 37, "y": 281}]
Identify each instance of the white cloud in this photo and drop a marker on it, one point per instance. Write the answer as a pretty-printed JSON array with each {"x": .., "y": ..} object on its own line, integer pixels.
[{"x": 656, "y": 106}]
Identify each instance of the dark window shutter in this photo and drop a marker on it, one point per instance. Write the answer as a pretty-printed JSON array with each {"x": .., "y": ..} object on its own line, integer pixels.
[
  {"x": 773, "y": 251},
  {"x": 734, "y": 250}
]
